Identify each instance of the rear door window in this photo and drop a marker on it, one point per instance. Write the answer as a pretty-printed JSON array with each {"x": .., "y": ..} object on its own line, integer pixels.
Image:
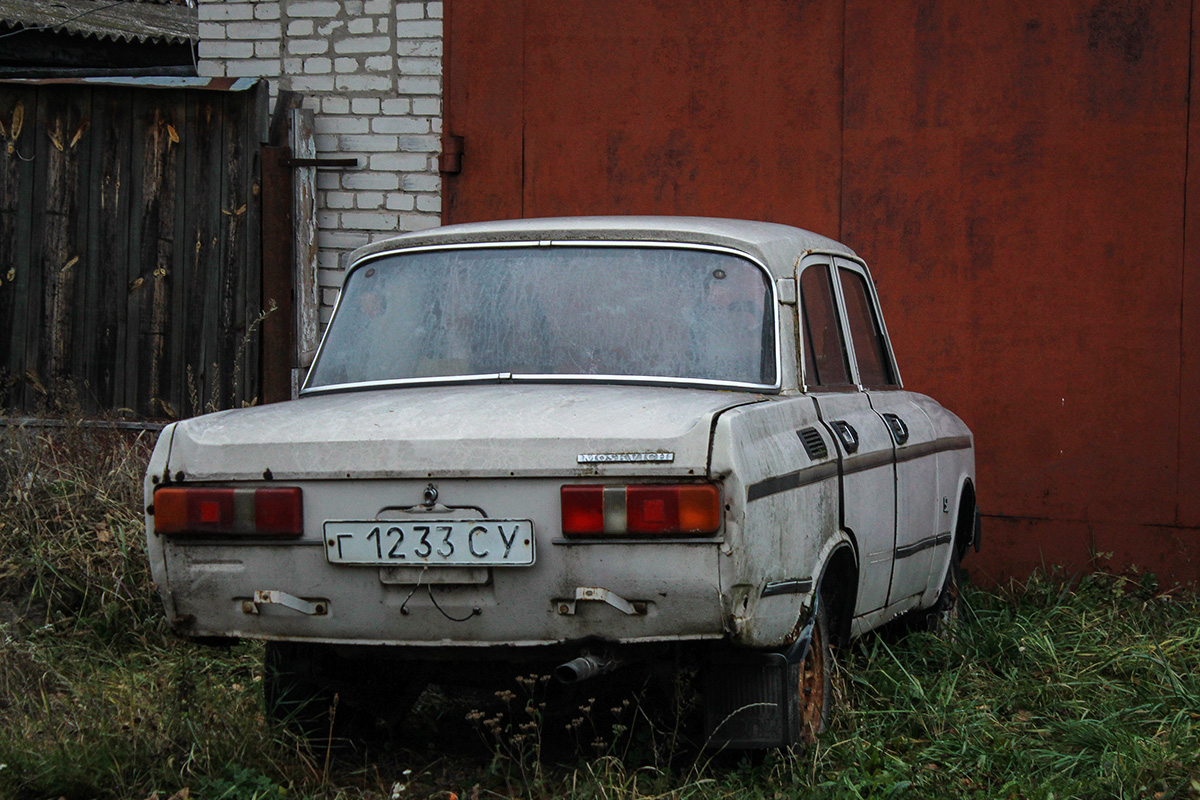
[
  {"x": 825, "y": 362},
  {"x": 874, "y": 366}
]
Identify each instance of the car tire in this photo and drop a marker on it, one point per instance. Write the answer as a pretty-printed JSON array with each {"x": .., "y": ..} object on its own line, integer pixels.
[
  {"x": 814, "y": 688},
  {"x": 946, "y": 610}
]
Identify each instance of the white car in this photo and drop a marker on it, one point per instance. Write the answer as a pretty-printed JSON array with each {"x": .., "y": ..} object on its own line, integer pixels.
[{"x": 575, "y": 443}]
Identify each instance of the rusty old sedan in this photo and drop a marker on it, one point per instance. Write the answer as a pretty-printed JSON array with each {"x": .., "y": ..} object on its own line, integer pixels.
[{"x": 580, "y": 444}]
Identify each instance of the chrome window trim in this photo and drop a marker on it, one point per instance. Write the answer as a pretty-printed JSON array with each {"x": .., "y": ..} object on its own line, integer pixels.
[{"x": 640, "y": 380}]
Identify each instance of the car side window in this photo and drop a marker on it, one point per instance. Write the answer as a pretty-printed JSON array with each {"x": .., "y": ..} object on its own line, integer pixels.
[
  {"x": 824, "y": 350},
  {"x": 874, "y": 366}
]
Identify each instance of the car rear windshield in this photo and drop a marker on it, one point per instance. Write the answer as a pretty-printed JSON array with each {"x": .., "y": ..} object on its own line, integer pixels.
[{"x": 552, "y": 313}]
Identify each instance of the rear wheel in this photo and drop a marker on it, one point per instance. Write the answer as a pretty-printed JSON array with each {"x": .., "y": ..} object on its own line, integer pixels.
[
  {"x": 814, "y": 689},
  {"x": 947, "y": 609}
]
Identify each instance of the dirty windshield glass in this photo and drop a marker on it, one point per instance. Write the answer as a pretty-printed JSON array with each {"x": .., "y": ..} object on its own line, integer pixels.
[{"x": 562, "y": 312}]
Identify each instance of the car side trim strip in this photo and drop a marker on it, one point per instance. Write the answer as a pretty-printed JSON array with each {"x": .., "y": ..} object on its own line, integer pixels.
[
  {"x": 793, "y": 586},
  {"x": 791, "y": 480},
  {"x": 916, "y": 547},
  {"x": 819, "y": 472},
  {"x": 909, "y": 452}
]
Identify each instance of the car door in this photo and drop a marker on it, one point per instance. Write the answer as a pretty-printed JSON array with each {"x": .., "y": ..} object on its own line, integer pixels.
[
  {"x": 911, "y": 432},
  {"x": 865, "y": 452}
]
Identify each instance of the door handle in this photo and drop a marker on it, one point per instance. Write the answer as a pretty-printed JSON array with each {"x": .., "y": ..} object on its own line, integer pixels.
[
  {"x": 897, "y": 427},
  {"x": 846, "y": 434}
]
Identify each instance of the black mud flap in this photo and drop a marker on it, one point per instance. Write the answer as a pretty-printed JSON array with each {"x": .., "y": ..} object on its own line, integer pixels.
[{"x": 751, "y": 699}]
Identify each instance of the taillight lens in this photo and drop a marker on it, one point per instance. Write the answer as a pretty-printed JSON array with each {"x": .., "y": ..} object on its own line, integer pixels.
[
  {"x": 687, "y": 509},
  {"x": 209, "y": 510}
]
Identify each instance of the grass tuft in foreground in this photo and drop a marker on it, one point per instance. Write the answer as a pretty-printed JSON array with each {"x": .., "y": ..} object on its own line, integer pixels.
[{"x": 1056, "y": 688}]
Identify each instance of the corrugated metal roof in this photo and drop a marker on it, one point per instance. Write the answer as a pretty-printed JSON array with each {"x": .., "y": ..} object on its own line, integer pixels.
[{"x": 123, "y": 20}]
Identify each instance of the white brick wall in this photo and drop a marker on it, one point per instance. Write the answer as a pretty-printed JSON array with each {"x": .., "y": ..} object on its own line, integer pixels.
[{"x": 371, "y": 70}]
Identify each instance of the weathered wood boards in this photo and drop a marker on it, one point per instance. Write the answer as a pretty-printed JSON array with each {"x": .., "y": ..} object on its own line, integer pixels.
[{"x": 129, "y": 248}]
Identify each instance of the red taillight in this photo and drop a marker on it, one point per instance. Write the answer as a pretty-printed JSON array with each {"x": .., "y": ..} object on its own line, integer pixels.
[
  {"x": 688, "y": 509},
  {"x": 201, "y": 510}
]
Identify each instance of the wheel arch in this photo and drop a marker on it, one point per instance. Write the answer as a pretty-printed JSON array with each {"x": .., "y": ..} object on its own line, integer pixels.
[{"x": 837, "y": 589}]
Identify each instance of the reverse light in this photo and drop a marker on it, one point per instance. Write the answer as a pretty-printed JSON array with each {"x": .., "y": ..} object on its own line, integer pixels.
[
  {"x": 686, "y": 509},
  {"x": 212, "y": 510}
]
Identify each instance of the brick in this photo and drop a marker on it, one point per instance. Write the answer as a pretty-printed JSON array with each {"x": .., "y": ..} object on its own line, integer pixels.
[
  {"x": 221, "y": 12},
  {"x": 300, "y": 27},
  {"x": 307, "y": 47},
  {"x": 361, "y": 25},
  {"x": 314, "y": 8},
  {"x": 211, "y": 69},
  {"x": 312, "y": 83},
  {"x": 429, "y": 203},
  {"x": 364, "y": 83},
  {"x": 420, "y": 182},
  {"x": 335, "y": 105},
  {"x": 363, "y": 44},
  {"x": 419, "y": 66},
  {"x": 382, "y": 25},
  {"x": 369, "y": 201},
  {"x": 399, "y": 125},
  {"x": 399, "y": 162},
  {"x": 370, "y": 221},
  {"x": 414, "y": 85},
  {"x": 345, "y": 64},
  {"x": 266, "y": 49},
  {"x": 433, "y": 10},
  {"x": 318, "y": 65},
  {"x": 396, "y": 106},
  {"x": 365, "y": 105},
  {"x": 427, "y": 106},
  {"x": 420, "y": 29},
  {"x": 410, "y": 11},
  {"x": 338, "y": 199},
  {"x": 253, "y": 31},
  {"x": 436, "y": 124},
  {"x": 252, "y": 69},
  {"x": 311, "y": 103},
  {"x": 207, "y": 49},
  {"x": 419, "y": 222},
  {"x": 378, "y": 181},
  {"x": 379, "y": 63},
  {"x": 293, "y": 66},
  {"x": 376, "y": 7},
  {"x": 326, "y": 180},
  {"x": 328, "y": 219},
  {"x": 401, "y": 202},
  {"x": 329, "y": 296},
  {"x": 212, "y": 30},
  {"x": 353, "y": 8},
  {"x": 419, "y": 144},
  {"x": 266, "y": 10},
  {"x": 418, "y": 47},
  {"x": 346, "y": 124},
  {"x": 326, "y": 313}
]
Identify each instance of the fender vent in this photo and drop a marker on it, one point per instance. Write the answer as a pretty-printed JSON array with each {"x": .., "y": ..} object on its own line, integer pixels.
[{"x": 814, "y": 445}]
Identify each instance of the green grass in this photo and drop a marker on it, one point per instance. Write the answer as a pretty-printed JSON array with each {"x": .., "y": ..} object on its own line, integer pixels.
[{"x": 1054, "y": 689}]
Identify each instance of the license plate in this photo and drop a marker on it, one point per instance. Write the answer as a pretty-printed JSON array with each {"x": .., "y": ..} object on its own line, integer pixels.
[{"x": 434, "y": 542}]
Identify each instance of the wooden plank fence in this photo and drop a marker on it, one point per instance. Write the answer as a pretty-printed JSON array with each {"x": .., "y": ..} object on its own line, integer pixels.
[{"x": 130, "y": 248}]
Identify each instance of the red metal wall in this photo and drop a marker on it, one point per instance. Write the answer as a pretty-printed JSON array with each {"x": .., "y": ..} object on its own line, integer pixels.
[{"x": 1016, "y": 174}]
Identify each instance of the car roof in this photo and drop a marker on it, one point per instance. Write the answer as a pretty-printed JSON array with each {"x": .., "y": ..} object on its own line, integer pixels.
[{"x": 777, "y": 246}]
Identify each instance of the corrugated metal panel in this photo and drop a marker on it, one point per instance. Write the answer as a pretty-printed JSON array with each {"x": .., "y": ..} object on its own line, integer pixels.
[{"x": 130, "y": 21}]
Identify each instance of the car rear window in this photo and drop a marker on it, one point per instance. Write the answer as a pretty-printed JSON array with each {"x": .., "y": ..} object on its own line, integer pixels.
[{"x": 552, "y": 312}]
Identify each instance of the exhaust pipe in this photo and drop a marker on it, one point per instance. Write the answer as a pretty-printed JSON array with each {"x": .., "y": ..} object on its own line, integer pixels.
[{"x": 584, "y": 667}]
